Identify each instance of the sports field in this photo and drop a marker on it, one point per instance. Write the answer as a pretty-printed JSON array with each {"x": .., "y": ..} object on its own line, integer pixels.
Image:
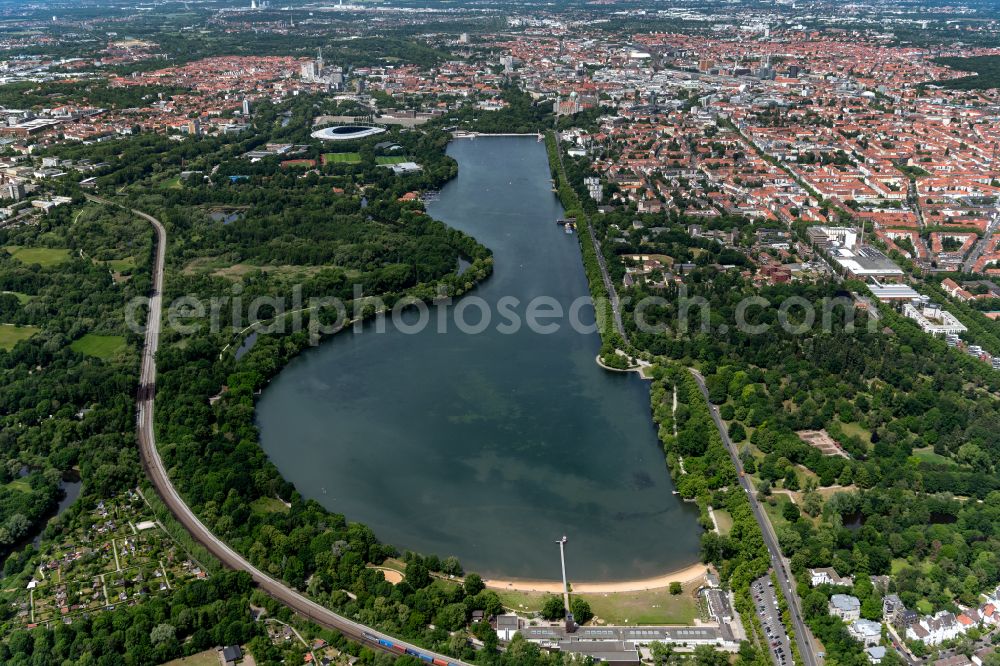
[{"x": 341, "y": 158}]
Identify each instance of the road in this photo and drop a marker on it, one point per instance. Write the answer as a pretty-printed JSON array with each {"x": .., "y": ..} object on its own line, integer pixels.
[
  {"x": 982, "y": 243},
  {"x": 770, "y": 539},
  {"x": 609, "y": 286},
  {"x": 157, "y": 474},
  {"x": 605, "y": 276}
]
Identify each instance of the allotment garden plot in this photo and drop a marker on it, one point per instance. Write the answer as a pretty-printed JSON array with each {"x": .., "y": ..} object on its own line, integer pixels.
[{"x": 121, "y": 556}]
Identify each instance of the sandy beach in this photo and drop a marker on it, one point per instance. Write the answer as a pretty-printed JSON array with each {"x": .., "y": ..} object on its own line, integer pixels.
[{"x": 685, "y": 575}]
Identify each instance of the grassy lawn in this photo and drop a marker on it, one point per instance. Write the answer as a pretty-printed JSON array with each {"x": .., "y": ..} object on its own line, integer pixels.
[
  {"x": 725, "y": 521},
  {"x": 925, "y": 607},
  {"x": 223, "y": 267},
  {"x": 206, "y": 658},
  {"x": 774, "y": 512},
  {"x": 101, "y": 346},
  {"x": 43, "y": 256},
  {"x": 804, "y": 474},
  {"x": 10, "y": 334},
  {"x": 523, "y": 602},
  {"x": 21, "y": 298},
  {"x": 171, "y": 183},
  {"x": 119, "y": 265},
  {"x": 899, "y": 563},
  {"x": 854, "y": 429},
  {"x": 928, "y": 455},
  {"x": 268, "y": 505},
  {"x": 394, "y": 564},
  {"x": 341, "y": 158},
  {"x": 391, "y": 159},
  {"x": 644, "y": 607},
  {"x": 20, "y": 485}
]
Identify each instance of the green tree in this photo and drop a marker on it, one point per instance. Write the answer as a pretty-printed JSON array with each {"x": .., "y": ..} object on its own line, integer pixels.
[
  {"x": 581, "y": 610},
  {"x": 162, "y": 633},
  {"x": 473, "y": 584},
  {"x": 552, "y": 607},
  {"x": 451, "y": 617}
]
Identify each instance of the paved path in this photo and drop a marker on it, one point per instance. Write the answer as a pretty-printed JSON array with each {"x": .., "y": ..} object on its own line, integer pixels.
[
  {"x": 161, "y": 481},
  {"x": 770, "y": 539},
  {"x": 609, "y": 286}
]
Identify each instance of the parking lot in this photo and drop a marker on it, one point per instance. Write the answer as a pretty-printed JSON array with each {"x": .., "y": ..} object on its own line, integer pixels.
[{"x": 766, "y": 607}]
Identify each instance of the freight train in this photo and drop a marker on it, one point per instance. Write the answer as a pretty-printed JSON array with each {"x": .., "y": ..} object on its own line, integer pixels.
[{"x": 392, "y": 646}]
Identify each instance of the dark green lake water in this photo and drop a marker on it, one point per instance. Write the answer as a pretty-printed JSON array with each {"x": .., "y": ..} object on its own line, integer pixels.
[{"x": 488, "y": 446}]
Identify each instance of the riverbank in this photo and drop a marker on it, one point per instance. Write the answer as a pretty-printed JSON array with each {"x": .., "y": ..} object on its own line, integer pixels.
[
  {"x": 683, "y": 576},
  {"x": 644, "y": 368}
]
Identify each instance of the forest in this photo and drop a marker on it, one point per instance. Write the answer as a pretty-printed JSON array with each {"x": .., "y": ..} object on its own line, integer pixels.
[
  {"x": 65, "y": 405},
  {"x": 96, "y": 93},
  {"x": 987, "y": 70},
  {"x": 327, "y": 231}
]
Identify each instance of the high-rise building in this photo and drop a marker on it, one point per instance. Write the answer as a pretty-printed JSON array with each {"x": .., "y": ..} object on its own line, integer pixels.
[
  {"x": 308, "y": 71},
  {"x": 246, "y": 106}
]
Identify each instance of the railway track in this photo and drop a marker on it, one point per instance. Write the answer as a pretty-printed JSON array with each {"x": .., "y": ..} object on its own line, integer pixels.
[{"x": 157, "y": 474}]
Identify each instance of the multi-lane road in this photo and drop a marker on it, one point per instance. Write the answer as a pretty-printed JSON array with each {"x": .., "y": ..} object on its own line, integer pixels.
[
  {"x": 770, "y": 539},
  {"x": 157, "y": 474},
  {"x": 983, "y": 242}
]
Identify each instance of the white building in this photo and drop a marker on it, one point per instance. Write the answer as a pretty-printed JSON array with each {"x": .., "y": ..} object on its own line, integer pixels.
[
  {"x": 932, "y": 319},
  {"x": 828, "y": 576},
  {"x": 845, "y": 606},
  {"x": 935, "y": 629},
  {"x": 866, "y": 632}
]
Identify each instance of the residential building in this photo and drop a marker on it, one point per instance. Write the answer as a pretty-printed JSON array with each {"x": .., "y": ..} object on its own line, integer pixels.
[
  {"x": 896, "y": 613},
  {"x": 957, "y": 660},
  {"x": 875, "y": 654},
  {"x": 507, "y": 626},
  {"x": 935, "y": 629},
  {"x": 845, "y": 606},
  {"x": 866, "y": 632},
  {"x": 828, "y": 576},
  {"x": 932, "y": 319}
]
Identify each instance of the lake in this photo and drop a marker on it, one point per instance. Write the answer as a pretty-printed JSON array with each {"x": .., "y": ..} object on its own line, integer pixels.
[{"x": 488, "y": 446}]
